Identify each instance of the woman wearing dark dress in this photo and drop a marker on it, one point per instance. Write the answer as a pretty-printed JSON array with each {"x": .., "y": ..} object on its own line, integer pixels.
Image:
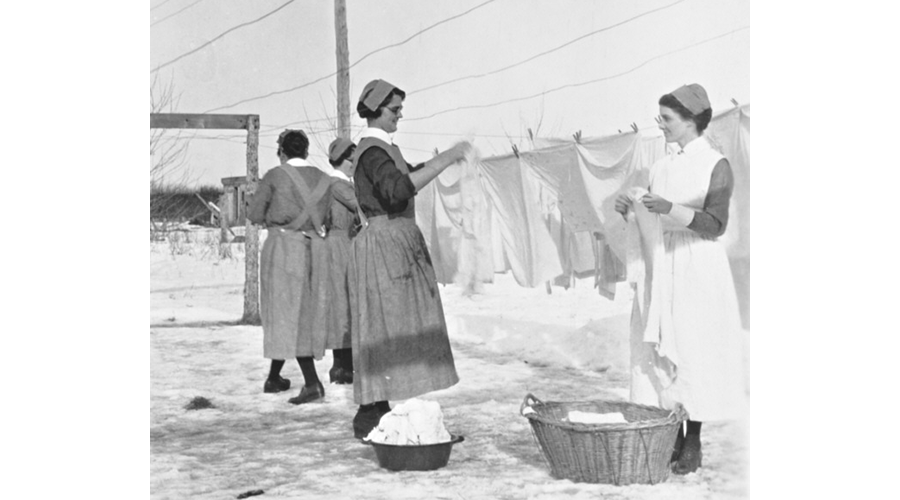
[
  {"x": 344, "y": 221},
  {"x": 400, "y": 344}
]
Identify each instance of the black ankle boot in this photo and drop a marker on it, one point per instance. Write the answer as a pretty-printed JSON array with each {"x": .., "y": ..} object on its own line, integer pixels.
[
  {"x": 691, "y": 457},
  {"x": 679, "y": 443},
  {"x": 366, "y": 419},
  {"x": 335, "y": 375}
]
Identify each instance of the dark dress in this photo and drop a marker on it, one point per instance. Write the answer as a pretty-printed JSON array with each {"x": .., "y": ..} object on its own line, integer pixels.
[
  {"x": 338, "y": 243},
  {"x": 399, "y": 337}
]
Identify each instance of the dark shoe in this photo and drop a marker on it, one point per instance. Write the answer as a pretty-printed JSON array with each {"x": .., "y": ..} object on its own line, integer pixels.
[
  {"x": 334, "y": 374},
  {"x": 691, "y": 457},
  {"x": 346, "y": 376},
  {"x": 366, "y": 420},
  {"x": 308, "y": 394},
  {"x": 277, "y": 385},
  {"x": 679, "y": 443}
]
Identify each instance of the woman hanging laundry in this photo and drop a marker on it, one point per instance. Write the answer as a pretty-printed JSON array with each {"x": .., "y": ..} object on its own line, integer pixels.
[
  {"x": 692, "y": 353},
  {"x": 400, "y": 344}
]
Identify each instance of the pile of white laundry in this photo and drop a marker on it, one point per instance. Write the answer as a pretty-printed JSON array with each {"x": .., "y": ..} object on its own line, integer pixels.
[{"x": 413, "y": 422}]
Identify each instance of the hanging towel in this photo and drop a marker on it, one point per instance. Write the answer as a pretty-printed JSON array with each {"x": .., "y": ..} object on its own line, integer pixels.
[{"x": 645, "y": 252}]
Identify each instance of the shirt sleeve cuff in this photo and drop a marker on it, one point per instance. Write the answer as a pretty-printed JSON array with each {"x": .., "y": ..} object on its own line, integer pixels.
[{"x": 682, "y": 214}]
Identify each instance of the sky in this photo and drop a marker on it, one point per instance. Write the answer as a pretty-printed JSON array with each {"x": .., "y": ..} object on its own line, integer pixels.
[{"x": 573, "y": 65}]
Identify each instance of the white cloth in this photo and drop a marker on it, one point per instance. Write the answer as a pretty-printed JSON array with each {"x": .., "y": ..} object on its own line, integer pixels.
[
  {"x": 702, "y": 367},
  {"x": 415, "y": 421},
  {"x": 644, "y": 269},
  {"x": 581, "y": 417}
]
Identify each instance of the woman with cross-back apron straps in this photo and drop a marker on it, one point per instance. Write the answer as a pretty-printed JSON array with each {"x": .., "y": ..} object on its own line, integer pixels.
[
  {"x": 293, "y": 201},
  {"x": 398, "y": 334}
]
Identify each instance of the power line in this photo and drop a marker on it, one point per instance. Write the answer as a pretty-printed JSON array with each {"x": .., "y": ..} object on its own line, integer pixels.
[
  {"x": 570, "y": 42},
  {"x": 175, "y": 13},
  {"x": 220, "y": 36},
  {"x": 160, "y": 4},
  {"x": 298, "y": 122},
  {"x": 478, "y": 106},
  {"x": 361, "y": 59},
  {"x": 460, "y": 134}
]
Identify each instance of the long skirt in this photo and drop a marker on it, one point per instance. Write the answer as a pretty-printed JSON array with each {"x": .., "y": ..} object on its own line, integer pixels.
[
  {"x": 293, "y": 294},
  {"x": 399, "y": 337},
  {"x": 700, "y": 310},
  {"x": 338, "y": 245}
]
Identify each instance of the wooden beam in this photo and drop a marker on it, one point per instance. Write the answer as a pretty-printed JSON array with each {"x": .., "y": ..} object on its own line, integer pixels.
[{"x": 200, "y": 121}]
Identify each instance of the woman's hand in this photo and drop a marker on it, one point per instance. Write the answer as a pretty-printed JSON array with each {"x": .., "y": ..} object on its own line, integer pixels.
[
  {"x": 656, "y": 203},
  {"x": 460, "y": 150},
  {"x": 623, "y": 203}
]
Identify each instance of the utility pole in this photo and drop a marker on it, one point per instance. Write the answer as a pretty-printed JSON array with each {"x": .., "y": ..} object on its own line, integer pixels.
[{"x": 343, "y": 68}]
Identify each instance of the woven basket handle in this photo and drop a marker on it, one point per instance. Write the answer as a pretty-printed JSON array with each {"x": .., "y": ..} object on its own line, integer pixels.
[{"x": 526, "y": 404}]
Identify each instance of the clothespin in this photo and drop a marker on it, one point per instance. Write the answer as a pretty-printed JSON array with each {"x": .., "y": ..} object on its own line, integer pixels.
[
  {"x": 734, "y": 101},
  {"x": 530, "y": 134},
  {"x": 620, "y": 130},
  {"x": 436, "y": 152},
  {"x": 515, "y": 150},
  {"x": 634, "y": 127},
  {"x": 577, "y": 136},
  {"x": 658, "y": 121}
]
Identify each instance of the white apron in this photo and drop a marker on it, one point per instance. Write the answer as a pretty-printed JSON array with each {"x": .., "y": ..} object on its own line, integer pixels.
[{"x": 701, "y": 364}]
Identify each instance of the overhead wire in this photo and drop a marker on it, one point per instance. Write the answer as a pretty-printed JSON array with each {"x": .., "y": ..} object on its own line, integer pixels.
[
  {"x": 536, "y": 56},
  {"x": 570, "y": 42},
  {"x": 175, "y": 13},
  {"x": 499, "y": 136},
  {"x": 160, "y": 4},
  {"x": 361, "y": 59},
  {"x": 525, "y": 98},
  {"x": 202, "y": 46}
]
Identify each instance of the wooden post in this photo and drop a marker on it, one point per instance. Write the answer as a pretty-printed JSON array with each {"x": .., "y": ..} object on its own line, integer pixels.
[
  {"x": 343, "y": 68},
  {"x": 250, "y": 123},
  {"x": 251, "y": 238}
]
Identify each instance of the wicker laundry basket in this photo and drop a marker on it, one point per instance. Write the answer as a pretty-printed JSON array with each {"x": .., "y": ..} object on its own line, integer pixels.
[{"x": 637, "y": 452}]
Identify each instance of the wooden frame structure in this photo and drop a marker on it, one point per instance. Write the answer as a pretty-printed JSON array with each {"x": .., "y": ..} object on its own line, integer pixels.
[{"x": 250, "y": 123}]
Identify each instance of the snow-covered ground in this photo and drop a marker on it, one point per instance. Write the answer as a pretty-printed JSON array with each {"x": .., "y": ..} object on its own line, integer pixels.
[{"x": 508, "y": 341}]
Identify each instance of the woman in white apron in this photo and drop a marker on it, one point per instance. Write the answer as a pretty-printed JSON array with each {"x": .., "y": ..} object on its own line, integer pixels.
[{"x": 692, "y": 356}]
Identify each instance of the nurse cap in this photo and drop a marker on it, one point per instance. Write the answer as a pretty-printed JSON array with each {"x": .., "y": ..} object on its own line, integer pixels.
[
  {"x": 693, "y": 97},
  {"x": 338, "y": 147},
  {"x": 375, "y": 92}
]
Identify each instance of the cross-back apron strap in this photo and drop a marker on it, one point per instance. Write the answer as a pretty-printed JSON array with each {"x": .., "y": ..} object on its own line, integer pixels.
[{"x": 310, "y": 199}]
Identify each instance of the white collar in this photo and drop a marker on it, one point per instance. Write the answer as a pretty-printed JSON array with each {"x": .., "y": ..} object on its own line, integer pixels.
[
  {"x": 299, "y": 162},
  {"x": 377, "y": 133},
  {"x": 340, "y": 175},
  {"x": 696, "y": 145}
]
